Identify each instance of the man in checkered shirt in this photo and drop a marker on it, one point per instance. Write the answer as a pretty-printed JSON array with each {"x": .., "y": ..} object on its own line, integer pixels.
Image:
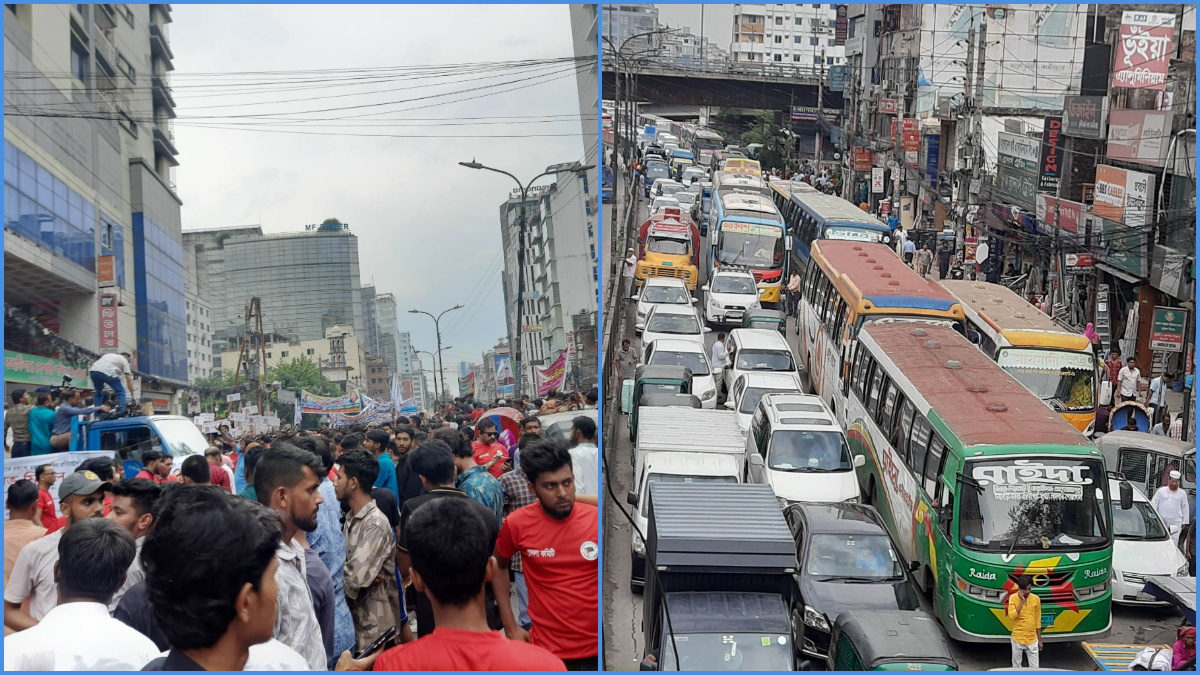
[{"x": 518, "y": 493}]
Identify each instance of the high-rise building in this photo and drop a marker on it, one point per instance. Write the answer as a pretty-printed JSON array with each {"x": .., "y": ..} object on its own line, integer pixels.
[
  {"x": 198, "y": 312},
  {"x": 623, "y": 22},
  {"x": 307, "y": 281},
  {"x": 585, "y": 35},
  {"x": 388, "y": 327},
  {"x": 371, "y": 321},
  {"x": 801, "y": 36},
  {"x": 92, "y": 222}
]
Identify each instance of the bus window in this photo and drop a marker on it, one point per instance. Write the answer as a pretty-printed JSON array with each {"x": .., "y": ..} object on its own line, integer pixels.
[
  {"x": 876, "y": 386},
  {"x": 919, "y": 445},
  {"x": 934, "y": 465},
  {"x": 905, "y": 425},
  {"x": 812, "y": 274},
  {"x": 888, "y": 409},
  {"x": 859, "y": 372}
]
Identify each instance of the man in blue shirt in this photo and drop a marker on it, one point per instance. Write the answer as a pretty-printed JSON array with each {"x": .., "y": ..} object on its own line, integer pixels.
[
  {"x": 376, "y": 443},
  {"x": 473, "y": 479},
  {"x": 60, "y": 434}
]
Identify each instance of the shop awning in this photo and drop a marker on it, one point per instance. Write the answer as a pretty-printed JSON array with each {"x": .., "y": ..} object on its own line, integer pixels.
[{"x": 1119, "y": 273}]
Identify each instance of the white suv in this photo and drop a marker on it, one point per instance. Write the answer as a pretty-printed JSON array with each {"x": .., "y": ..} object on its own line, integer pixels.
[{"x": 728, "y": 295}]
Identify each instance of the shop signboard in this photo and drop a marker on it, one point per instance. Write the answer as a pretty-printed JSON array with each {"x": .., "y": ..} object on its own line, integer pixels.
[
  {"x": 862, "y": 159},
  {"x": 108, "y": 322},
  {"x": 1123, "y": 196},
  {"x": 1139, "y": 136},
  {"x": 888, "y": 106},
  {"x": 877, "y": 180},
  {"x": 841, "y": 27},
  {"x": 1017, "y": 168},
  {"x": 837, "y": 78},
  {"x": 1167, "y": 331},
  {"x": 42, "y": 371},
  {"x": 1051, "y": 154},
  {"x": 1084, "y": 116},
  {"x": 1144, "y": 50}
]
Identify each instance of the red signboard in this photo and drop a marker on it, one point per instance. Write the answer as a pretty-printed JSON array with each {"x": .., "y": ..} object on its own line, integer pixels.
[
  {"x": 1144, "y": 50},
  {"x": 105, "y": 270},
  {"x": 1080, "y": 260},
  {"x": 912, "y": 135},
  {"x": 862, "y": 159},
  {"x": 888, "y": 106},
  {"x": 885, "y": 208},
  {"x": 108, "y": 321}
]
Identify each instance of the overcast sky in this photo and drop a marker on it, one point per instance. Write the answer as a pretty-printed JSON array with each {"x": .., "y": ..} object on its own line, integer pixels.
[
  {"x": 718, "y": 20},
  {"x": 428, "y": 229}
]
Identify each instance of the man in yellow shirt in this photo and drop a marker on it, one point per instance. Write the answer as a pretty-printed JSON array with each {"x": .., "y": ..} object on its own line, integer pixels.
[{"x": 1025, "y": 610}]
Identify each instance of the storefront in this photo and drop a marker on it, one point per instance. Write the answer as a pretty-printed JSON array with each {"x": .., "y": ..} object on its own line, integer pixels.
[{"x": 29, "y": 372}]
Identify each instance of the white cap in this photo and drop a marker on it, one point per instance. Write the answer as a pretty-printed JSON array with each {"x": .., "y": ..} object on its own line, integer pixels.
[
  {"x": 1175, "y": 474},
  {"x": 501, "y": 402}
]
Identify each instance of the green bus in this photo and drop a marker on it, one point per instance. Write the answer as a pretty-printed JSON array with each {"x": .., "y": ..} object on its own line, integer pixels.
[{"x": 980, "y": 482}]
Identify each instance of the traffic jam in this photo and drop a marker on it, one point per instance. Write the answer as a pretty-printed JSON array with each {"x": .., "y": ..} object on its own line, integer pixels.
[{"x": 828, "y": 459}]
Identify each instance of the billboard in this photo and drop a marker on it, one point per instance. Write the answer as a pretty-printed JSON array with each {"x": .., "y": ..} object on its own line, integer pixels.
[
  {"x": 324, "y": 405},
  {"x": 108, "y": 322},
  {"x": 1123, "y": 196},
  {"x": 553, "y": 376},
  {"x": 1051, "y": 154},
  {"x": 1017, "y": 168},
  {"x": 1143, "y": 50},
  {"x": 862, "y": 159},
  {"x": 1084, "y": 116},
  {"x": 1140, "y": 136},
  {"x": 505, "y": 380}
]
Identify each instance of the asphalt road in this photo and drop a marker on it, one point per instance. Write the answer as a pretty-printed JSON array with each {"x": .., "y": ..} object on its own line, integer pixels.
[{"x": 623, "y": 644}]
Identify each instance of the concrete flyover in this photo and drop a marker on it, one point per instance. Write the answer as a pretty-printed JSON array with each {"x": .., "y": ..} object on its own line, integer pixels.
[{"x": 766, "y": 87}]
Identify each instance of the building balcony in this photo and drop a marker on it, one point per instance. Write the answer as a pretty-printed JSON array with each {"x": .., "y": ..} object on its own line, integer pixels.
[
  {"x": 106, "y": 16},
  {"x": 106, "y": 53},
  {"x": 164, "y": 11},
  {"x": 160, "y": 88},
  {"x": 164, "y": 144},
  {"x": 35, "y": 272},
  {"x": 160, "y": 46}
]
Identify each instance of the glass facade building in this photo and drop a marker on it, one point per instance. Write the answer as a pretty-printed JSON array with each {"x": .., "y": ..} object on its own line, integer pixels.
[
  {"x": 40, "y": 206},
  {"x": 158, "y": 274}
]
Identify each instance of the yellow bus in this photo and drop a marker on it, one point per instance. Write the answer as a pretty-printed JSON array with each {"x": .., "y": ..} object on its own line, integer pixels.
[
  {"x": 1055, "y": 363},
  {"x": 851, "y": 283}
]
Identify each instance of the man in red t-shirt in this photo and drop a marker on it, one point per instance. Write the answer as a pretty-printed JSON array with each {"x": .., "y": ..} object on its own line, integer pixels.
[
  {"x": 45, "y": 476},
  {"x": 556, "y": 537},
  {"x": 216, "y": 469},
  {"x": 486, "y": 450},
  {"x": 453, "y": 578},
  {"x": 156, "y": 466}
]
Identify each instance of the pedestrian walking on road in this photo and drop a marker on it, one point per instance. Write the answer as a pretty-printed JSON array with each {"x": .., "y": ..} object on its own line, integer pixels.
[
  {"x": 793, "y": 293},
  {"x": 720, "y": 361},
  {"x": 1172, "y": 505},
  {"x": 1156, "y": 398},
  {"x": 910, "y": 251},
  {"x": 924, "y": 259},
  {"x": 630, "y": 268},
  {"x": 943, "y": 255},
  {"x": 1127, "y": 380},
  {"x": 627, "y": 360},
  {"x": 1025, "y": 610}
]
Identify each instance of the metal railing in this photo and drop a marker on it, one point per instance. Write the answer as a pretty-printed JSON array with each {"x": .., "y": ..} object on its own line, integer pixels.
[{"x": 772, "y": 71}]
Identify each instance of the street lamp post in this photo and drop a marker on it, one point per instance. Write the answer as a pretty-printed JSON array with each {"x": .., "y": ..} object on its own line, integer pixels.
[
  {"x": 421, "y": 366},
  {"x": 524, "y": 188},
  {"x": 437, "y": 329}
]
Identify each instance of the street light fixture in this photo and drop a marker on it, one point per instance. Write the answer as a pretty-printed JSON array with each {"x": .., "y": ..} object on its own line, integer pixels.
[
  {"x": 433, "y": 365},
  {"x": 524, "y": 188},
  {"x": 438, "y": 329}
]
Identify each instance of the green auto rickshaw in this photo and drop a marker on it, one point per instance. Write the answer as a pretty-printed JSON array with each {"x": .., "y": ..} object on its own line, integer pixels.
[
  {"x": 769, "y": 319},
  {"x": 654, "y": 380},
  {"x": 888, "y": 640}
]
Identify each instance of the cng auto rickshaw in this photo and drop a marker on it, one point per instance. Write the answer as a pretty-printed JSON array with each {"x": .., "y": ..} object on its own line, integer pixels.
[
  {"x": 768, "y": 319},
  {"x": 888, "y": 640},
  {"x": 1146, "y": 460},
  {"x": 654, "y": 380}
]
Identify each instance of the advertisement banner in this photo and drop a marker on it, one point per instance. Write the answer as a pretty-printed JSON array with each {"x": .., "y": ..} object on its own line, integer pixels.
[
  {"x": 64, "y": 463},
  {"x": 1051, "y": 154},
  {"x": 841, "y": 27},
  {"x": 42, "y": 371},
  {"x": 553, "y": 376},
  {"x": 105, "y": 271},
  {"x": 1166, "y": 333},
  {"x": 325, "y": 405},
  {"x": 888, "y": 106},
  {"x": 837, "y": 78},
  {"x": 108, "y": 322},
  {"x": 1139, "y": 136},
  {"x": 466, "y": 385},
  {"x": 877, "y": 180},
  {"x": 932, "y": 151},
  {"x": 1017, "y": 168},
  {"x": 505, "y": 380},
  {"x": 862, "y": 159},
  {"x": 1144, "y": 50},
  {"x": 1085, "y": 116},
  {"x": 1123, "y": 196}
]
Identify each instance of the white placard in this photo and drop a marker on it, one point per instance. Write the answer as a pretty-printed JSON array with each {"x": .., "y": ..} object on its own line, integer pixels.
[
  {"x": 64, "y": 463},
  {"x": 250, "y": 410},
  {"x": 233, "y": 397}
]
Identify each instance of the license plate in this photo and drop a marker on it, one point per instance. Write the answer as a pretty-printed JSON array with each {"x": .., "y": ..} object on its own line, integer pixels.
[{"x": 735, "y": 315}]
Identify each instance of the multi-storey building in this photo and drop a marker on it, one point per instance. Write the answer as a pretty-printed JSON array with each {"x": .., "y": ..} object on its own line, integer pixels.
[
  {"x": 622, "y": 23},
  {"x": 800, "y": 36},
  {"x": 198, "y": 312},
  {"x": 378, "y": 378},
  {"x": 339, "y": 354},
  {"x": 371, "y": 321},
  {"x": 92, "y": 222}
]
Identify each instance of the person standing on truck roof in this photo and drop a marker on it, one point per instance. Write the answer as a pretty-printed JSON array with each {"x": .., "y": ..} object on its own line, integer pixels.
[
  {"x": 60, "y": 434},
  {"x": 1025, "y": 610},
  {"x": 557, "y": 540},
  {"x": 108, "y": 370}
]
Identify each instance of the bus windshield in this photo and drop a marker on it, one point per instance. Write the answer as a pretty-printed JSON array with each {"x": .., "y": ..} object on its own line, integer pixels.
[
  {"x": 1061, "y": 378},
  {"x": 667, "y": 246},
  {"x": 752, "y": 245},
  {"x": 1033, "y": 505}
]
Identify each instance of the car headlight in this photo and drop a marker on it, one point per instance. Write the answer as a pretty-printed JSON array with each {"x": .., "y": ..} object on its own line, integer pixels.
[
  {"x": 709, "y": 394},
  {"x": 1183, "y": 571},
  {"x": 815, "y": 619},
  {"x": 639, "y": 546}
]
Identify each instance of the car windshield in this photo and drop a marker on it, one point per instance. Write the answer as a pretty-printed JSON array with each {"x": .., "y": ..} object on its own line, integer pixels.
[
  {"x": 778, "y": 360},
  {"x": 808, "y": 451},
  {"x": 672, "y": 188},
  {"x": 667, "y": 246},
  {"x": 757, "y": 246},
  {"x": 727, "y": 651},
  {"x": 731, "y": 284},
  {"x": 764, "y": 323},
  {"x": 852, "y": 557},
  {"x": 653, "y": 478},
  {"x": 673, "y": 324},
  {"x": 665, "y": 295},
  {"x": 1062, "y": 379},
  {"x": 753, "y": 395},
  {"x": 693, "y": 361},
  {"x": 657, "y": 170},
  {"x": 686, "y": 198},
  {"x": 1137, "y": 524},
  {"x": 1033, "y": 505},
  {"x": 181, "y": 437}
]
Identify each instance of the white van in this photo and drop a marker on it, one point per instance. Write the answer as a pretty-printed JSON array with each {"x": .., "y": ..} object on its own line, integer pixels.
[
  {"x": 760, "y": 350},
  {"x": 797, "y": 447},
  {"x": 669, "y": 467}
]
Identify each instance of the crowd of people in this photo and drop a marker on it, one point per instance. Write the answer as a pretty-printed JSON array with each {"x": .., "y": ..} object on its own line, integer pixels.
[{"x": 316, "y": 550}]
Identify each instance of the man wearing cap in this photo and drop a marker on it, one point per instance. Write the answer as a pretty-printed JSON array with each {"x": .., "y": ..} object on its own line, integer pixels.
[
  {"x": 81, "y": 496},
  {"x": 1171, "y": 503},
  {"x": 108, "y": 370}
]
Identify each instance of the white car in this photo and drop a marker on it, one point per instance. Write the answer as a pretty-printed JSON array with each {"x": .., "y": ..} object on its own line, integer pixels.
[
  {"x": 797, "y": 447},
  {"x": 686, "y": 200},
  {"x": 728, "y": 295},
  {"x": 693, "y": 174},
  {"x": 747, "y": 389},
  {"x": 691, "y": 355},
  {"x": 661, "y": 204},
  {"x": 667, "y": 187},
  {"x": 675, "y": 322},
  {"x": 760, "y": 350},
  {"x": 655, "y": 291},
  {"x": 1142, "y": 547}
]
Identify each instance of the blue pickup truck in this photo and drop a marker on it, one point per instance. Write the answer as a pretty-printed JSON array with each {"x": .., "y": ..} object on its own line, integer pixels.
[
  {"x": 129, "y": 437},
  {"x": 606, "y": 186}
]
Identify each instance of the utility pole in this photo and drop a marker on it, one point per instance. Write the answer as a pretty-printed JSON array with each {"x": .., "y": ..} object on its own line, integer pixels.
[
  {"x": 253, "y": 310},
  {"x": 966, "y": 132},
  {"x": 820, "y": 110},
  {"x": 977, "y": 116}
]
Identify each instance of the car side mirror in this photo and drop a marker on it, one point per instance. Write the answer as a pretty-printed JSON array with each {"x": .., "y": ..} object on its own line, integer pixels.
[
  {"x": 1126, "y": 495},
  {"x": 636, "y": 297},
  {"x": 695, "y": 300},
  {"x": 728, "y": 404},
  {"x": 914, "y": 565},
  {"x": 860, "y": 461},
  {"x": 756, "y": 460},
  {"x": 639, "y": 327},
  {"x": 704, "y": 287},
  {"x": 632, "y": 498},
  {"x": 707, "y": 329}
]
